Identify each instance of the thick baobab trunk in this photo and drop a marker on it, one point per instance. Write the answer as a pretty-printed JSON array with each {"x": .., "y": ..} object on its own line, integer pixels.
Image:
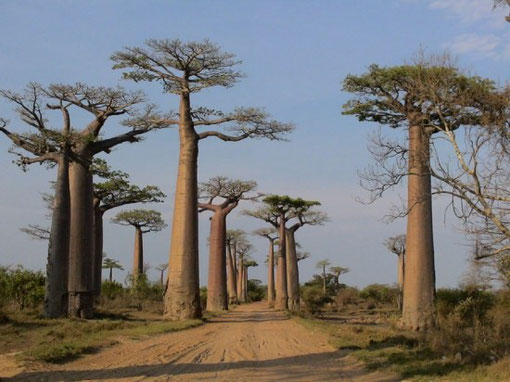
[
  {"x": 270, "y": 275},
  {"x": 138, "y": 255},
  {"x": 241, "y": 269},
  {"x": 81, "y": 242},
  {"x": 231, "y": 279},
  {"x": 292, "y": 272},
  {"x": 98, "y": 248},
  {"x": 182, "y": 297},
  {"x": 217, "y": 299},
  {"x": 419, "y": 276},
  {"x": 55, "y": 299},
  {"x": 281, "y": 292}
]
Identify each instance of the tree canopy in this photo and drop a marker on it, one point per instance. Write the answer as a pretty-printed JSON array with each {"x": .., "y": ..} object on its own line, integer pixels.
[{"x": 146, "y": 220}]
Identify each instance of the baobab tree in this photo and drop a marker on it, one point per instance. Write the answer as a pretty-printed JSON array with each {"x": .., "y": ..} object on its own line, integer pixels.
[
  {"x": 243, "y": 249},
  {"x": 143, "y": 221},
  {"x": 47, "y": 144},
  {"x": 221, "y": 195},
  {"x": 277, "y": 211},
  {"x": 397, "y": 245},
  {"x": 233, "y": 238},
  {"x": 337, "y": 272},
  {"x": 303, "y": 214},
  {"x": 184, "y": 68},
  {"x": 395, "y": 96},
  {"x": 271, "y": 235},
  {"x": 323, "y": 264},
  {"x": 248, "y": 263},
  {"x": 114, "y": 191},
  {"x": 111, "y": 264},
  {"x": 162, "y": 268}
]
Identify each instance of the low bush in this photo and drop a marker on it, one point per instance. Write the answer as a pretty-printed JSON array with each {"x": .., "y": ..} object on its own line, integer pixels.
[
  {"x": 314, "y": 299},
  {"x": 347, "y": 296},
  {"x": 381, "y": 294},
  {"x": 112, "y": 290},
  {"x": 23, "y": 287},
  {"x": 256, "y": 291}
]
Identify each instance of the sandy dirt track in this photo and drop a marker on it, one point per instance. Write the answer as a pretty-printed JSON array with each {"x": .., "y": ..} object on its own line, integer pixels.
[{"x": 251, "y": 343}]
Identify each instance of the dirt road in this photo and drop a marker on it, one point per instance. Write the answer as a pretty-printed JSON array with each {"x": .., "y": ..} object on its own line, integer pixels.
[{"x": 251, "y": 343}]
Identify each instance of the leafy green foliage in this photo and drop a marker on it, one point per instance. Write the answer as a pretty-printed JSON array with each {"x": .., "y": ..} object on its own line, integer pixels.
[
  {"x": 380, "y": 293},
  {"x": 314, "y": 298},
  {"x": 22, "y": 286},
  {"x": 146, "y": 220},
  {"x": 111, "y": 289},
  {"x": 256, "y": 291}
]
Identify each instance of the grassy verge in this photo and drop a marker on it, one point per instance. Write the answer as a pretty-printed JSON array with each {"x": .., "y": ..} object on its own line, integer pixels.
[
  {"x": 59, "y": 341},
  {"x": 382, "y": 346}
]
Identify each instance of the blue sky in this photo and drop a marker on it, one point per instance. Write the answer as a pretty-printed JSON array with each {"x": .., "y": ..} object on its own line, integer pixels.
[{"x": 295, "y": 54}]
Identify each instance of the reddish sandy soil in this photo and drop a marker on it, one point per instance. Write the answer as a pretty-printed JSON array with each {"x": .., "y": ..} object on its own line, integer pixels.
[{"x": 251, "y": 343}]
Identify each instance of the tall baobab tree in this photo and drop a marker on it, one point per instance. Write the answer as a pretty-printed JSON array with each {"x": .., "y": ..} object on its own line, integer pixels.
[
  {"x": 111, "y": 264},
  {"x": 395, "y": 96},
  {"x": 184, "y": 68},
  {"x": 143, "y": 221},
  {"x": 233, "y": 238},
  {"x": 162, "y": 268},
  {"x": 323, "y": 264},
  {"x": 47, "y": 144},
  {"x": 243, "y": 249},
  {"x": 303, "y": 214},
  {"x": 230, "y": 193},
  {"x": 277, "y": 211},
  {"x": 114, "y": 191},
  {"x": 271, "y": 235}
]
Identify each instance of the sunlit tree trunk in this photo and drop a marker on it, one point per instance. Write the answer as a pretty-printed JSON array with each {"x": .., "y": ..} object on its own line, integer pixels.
[
  {"x": 292, "y": 271},
  {"x": 241, "y": 269},
  {"x": 270, "y": 275},
  {"x": 281, "y": 292},
  {"x": 81, "y": 242},
  {"x": 182, "y": 297},
  {"x": 55, "y": 300},
  {"x": 217, "y": 280},
  {"x": 245, "y": 284},
  {"x": 231, "y": 279},
  {"x": 98, "y": 247},
  {"x": 419, "y": 276}
]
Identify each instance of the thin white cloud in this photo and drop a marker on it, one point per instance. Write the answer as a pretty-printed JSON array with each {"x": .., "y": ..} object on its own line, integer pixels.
[
  {"x": 485, "y": 45},
  {"x": 466, "y": 10}
]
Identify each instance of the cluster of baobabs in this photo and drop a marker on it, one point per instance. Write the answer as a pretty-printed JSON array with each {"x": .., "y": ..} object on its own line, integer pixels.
[{"x": 424, "y": 98}]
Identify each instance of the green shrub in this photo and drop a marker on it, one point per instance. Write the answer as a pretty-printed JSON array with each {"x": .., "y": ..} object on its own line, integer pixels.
[
  {"x": 450, "y": 300},
  {"x": 203, "y": 297},
  {"x": 314, "y": 298},
  {"x": 347, "y": 296},
  {"x": 22, "y": 286},
  {"x": 256, "y": 291},
  {"x": 112, "y": 290},
  {"x": 380, "y": 293}
]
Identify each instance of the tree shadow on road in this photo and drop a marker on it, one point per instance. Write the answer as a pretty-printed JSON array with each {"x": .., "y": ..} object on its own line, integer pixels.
[{"x": 303, "y": 367}]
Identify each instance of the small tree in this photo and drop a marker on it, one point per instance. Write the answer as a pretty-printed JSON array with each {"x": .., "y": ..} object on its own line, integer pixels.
[
  {"x": 337, "y": 272},
  {"x": 143, "y": 221},
  {"x": 397, "y": 245},
  {"x": 114, "y": 191},
  {"x": 323, "y": 264},
  {"x": 111, "y": 264},
  {"x": 183, "y": 69},
  {"x": 229, "y": 192}
]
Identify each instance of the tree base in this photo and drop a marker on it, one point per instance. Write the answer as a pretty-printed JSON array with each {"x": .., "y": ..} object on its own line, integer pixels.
[
  {"x": 281, "y": 304},
  {"x": 177, "y": 309},
  {"x": 81, "y": 305},
  {"x": 217, "y": 304},
  {"x": 418, "y": 320}
]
